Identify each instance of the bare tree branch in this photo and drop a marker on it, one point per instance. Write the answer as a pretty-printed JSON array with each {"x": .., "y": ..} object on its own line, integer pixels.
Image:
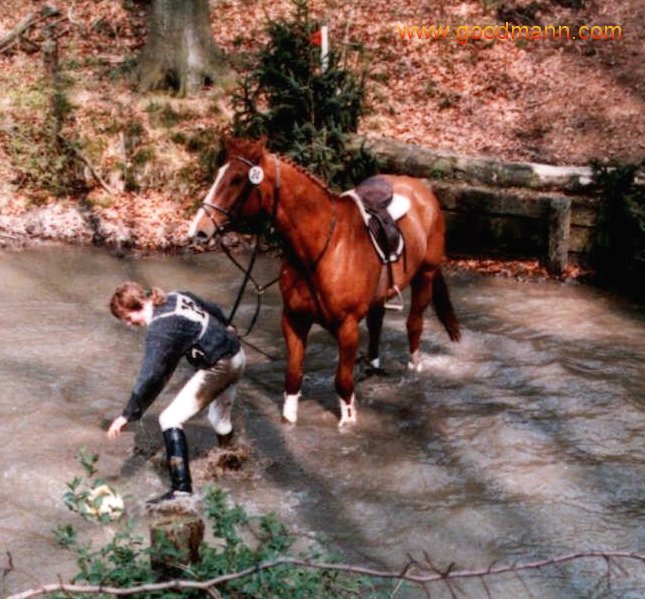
[
  {"x": 483, "y": 583},
  {"x": 405, "y": 570},
  {"x": 177, "y": 585}
]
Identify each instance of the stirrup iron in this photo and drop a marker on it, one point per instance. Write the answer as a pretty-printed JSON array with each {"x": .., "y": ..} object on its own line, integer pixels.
[{"x": 398, "y": 304}]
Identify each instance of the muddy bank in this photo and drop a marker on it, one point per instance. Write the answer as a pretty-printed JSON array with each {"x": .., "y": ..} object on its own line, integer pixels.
[
  {"x": 139, "y": 227},
  {"x": 129, "y": 222}
]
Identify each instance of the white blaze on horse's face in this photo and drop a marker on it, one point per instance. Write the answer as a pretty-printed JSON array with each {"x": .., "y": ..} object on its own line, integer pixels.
[{"x": 202, "y": 227}]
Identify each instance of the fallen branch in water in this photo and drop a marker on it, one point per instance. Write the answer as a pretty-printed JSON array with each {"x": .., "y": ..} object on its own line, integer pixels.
[{"x": 420, "y": 573}]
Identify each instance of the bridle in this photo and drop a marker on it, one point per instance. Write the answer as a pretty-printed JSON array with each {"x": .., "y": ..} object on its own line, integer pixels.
[
  {"x": 255, "y": 176},
  {"x": 251, "y": 182}
]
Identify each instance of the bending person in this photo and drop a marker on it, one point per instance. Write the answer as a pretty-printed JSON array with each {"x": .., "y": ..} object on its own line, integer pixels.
[{"x": 180, "y": 324}]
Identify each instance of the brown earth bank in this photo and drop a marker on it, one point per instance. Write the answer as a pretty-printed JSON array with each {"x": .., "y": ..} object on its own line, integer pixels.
[
  {"x": 147, "y": 158},
  {"x": 64, "y": 223}
]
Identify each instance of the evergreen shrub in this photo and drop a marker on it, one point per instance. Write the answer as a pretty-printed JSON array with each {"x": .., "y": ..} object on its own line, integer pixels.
[{"x": 305, "y": 111}]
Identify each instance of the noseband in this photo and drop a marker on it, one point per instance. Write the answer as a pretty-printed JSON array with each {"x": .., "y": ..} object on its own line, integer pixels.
[{"x": 255, "y": 176}]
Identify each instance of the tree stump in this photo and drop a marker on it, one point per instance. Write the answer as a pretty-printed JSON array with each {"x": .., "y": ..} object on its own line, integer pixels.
[{"x": 174, "y": 542}]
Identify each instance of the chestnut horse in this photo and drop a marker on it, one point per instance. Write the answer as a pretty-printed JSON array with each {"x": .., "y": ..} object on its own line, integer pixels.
[{"x": 330, "y": 273}]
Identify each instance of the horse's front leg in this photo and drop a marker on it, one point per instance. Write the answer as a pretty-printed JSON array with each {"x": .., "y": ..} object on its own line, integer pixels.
[
  {"x": 295, "y": 330},
  {"x": 347, "y": 337}
]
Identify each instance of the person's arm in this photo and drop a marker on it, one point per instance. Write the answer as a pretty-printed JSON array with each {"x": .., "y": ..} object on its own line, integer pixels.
[
  {"x": 163, "y": 351},
  {"x": 117, "y": 426}
]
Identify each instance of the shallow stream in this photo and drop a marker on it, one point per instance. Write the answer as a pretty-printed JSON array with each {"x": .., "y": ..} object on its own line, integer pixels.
[{"x": 524, "y": 441}]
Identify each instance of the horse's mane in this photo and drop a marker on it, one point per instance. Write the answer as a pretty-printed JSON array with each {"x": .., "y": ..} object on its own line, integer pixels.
[{"x": 307, "y": 173}]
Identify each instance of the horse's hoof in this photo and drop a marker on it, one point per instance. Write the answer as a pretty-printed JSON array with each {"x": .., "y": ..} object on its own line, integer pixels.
[
  {"x": 415, "y": 362},
  {"x": 347, "y": 412},
  {"x": 346, "y": 423},
  {"x": 290, "y": 408},
  {"x": 285, "y": 420}
]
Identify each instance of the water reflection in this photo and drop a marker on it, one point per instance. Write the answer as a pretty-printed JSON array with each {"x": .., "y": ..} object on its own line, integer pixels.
[{"x": 523, "y": 441}]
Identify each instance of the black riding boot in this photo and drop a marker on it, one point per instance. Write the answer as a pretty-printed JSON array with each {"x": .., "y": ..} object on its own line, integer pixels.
[{"x": 177, "y": 454}]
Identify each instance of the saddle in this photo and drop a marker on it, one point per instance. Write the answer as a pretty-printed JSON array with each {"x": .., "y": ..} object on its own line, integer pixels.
[{"x": 380, "y": 208}]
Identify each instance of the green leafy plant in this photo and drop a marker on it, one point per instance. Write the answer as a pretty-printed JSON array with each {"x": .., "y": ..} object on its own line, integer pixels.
[
  {"x": 45, "y": 163},
  {"x": 252, "y": 557},
  {"x": 91, "y": 497},
  {"x": 242, "y": 542},
  {"x": 306, "y": 111}
]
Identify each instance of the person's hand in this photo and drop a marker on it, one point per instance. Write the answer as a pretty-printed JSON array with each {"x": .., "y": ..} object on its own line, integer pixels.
[{"x": 117, "y": 426}]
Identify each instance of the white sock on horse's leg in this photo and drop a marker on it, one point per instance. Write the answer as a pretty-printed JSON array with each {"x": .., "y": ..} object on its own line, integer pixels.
[
  {"x": 290, "y": 407},
  {"x": 415, "y": 361},
  {"x": 375, "y": 363},
  {"x": 347, "y": 411}
]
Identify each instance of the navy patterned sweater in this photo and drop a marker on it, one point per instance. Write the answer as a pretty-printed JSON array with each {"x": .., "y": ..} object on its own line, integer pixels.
[{"x": 185, "y": 325}]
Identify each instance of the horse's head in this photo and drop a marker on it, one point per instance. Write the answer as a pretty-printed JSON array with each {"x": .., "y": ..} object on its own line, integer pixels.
[{"x": 238, "y": 191}]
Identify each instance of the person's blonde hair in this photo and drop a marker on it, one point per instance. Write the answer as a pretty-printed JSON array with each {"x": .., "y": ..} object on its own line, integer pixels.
[{"x": 130, "y": 297}]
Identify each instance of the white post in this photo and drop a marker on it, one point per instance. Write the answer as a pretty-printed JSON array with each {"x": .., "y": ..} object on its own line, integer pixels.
[{"x": 324, "y": 47}]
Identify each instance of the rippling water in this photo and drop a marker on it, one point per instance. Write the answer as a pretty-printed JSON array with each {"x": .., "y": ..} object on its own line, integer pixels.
[{"x": 523, "y": 441}]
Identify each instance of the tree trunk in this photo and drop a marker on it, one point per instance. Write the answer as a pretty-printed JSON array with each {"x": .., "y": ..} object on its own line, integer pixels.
[{"x": 180, "y": 53}]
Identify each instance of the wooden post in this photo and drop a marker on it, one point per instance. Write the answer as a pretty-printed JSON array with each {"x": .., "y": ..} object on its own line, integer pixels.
[
  {"x": 182, "y": 532},
  {"x": 559, "y": 226}
]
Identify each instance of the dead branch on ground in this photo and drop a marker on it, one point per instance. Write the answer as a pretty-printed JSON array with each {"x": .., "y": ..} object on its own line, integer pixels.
[
  {"x": 416, "y": 572},
  {"x": 86, "y": 162},
  {"x": 27, "y": 23}
]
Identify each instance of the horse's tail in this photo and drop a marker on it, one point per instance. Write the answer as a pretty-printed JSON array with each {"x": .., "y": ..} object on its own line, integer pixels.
[{"x": 443, "y": 306}]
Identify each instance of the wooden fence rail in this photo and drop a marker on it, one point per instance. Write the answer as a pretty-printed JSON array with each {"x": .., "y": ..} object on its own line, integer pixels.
[{"x": 503, "y": 209}]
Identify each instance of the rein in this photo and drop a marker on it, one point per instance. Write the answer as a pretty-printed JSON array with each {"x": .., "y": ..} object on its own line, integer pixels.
[{"x": 259, "y": 289}]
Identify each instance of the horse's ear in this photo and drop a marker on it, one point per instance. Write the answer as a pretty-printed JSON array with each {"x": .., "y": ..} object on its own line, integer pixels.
[
  {"x": 227, "y": 141},
  {"x": 257, "y": 148}
]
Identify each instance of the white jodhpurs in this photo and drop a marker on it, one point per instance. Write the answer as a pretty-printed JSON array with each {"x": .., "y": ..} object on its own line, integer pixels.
[{"x": 214, "y": 387}]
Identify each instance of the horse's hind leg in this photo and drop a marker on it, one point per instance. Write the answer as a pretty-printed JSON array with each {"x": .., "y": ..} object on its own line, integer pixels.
[
  {"x": 429, "y": 285},
  {"x": 421, "y": 296},
  {"x": 295, "y": 330},
  {"x": 374, "y": 327}
]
